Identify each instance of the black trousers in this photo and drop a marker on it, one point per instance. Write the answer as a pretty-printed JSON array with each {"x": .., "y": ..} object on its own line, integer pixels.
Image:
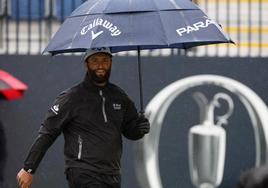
[{"x": 82, "y": 178}]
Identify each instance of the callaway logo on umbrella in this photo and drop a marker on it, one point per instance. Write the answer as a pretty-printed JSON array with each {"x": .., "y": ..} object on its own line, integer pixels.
[{"x": 10, "y": 87}]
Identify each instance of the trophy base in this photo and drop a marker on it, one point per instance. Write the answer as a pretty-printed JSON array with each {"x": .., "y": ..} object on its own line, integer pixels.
[{"x": 206, "y": 185}]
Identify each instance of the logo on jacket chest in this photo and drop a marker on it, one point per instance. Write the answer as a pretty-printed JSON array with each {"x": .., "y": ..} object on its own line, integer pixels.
[
  {"x": 117, "y": 106},
  {"x": 55, "y": 109}
]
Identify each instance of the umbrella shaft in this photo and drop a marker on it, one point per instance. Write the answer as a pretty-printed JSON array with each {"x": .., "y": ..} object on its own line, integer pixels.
[{"x": 140, "y": 81}]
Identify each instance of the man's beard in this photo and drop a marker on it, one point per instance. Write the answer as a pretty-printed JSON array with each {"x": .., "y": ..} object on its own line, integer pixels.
[{"x": 99, "y": 79}]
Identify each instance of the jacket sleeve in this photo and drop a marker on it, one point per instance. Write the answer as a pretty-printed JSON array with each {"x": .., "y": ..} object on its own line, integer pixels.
[
  {"x": 57, "y": 117},
  {"x": 129, "y": 128}
]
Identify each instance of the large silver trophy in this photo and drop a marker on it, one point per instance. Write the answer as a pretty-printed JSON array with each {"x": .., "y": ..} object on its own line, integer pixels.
[
  {"x": 207, "y": 143},
  {"x": 209, "y": 146}
]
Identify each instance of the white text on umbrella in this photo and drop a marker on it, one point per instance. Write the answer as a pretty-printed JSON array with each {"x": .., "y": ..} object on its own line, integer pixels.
[
  {"x": 100, "y": 22},
  {"x": 195, "y": 27}
]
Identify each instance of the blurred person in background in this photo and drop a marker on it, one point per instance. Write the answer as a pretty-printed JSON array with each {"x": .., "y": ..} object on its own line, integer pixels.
[
  {"x": 254, "y": 178},
  {"x": 92, "y": 116},
  {"x": 3, "y": 153}
]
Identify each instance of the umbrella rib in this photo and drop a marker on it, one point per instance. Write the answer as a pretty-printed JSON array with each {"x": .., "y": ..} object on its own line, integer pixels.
[
  {"x": 86, "y": 15},
  {"x": 74, "y": 36},
  {"x": 107, "y": 5},
  {"x": 192, "y": 33},
  {"x": 175, "y": 4},
  {"x": 163, "y": 28},
  {"x": 92, "y": 7}
]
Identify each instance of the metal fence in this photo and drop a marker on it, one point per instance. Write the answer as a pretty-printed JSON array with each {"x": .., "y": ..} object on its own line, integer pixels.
[
  {"x": 246, "y": 21},
  {"x": 27, "y": 25}
]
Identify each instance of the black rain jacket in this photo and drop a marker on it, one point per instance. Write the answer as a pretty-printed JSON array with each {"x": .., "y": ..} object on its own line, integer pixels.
[{"x": 92, "y": 120}]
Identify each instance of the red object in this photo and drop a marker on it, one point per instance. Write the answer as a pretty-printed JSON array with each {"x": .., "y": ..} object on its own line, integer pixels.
[{"x": 10, "y": 87}]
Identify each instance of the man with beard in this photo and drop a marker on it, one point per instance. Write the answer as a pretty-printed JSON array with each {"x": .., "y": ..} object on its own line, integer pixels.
[{"x": 92, "y": 116}]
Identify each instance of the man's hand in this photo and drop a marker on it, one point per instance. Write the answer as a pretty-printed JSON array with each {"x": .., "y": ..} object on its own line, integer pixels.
[
  {"x": 24, "y": 178},
  {"x": 143, "y": 124}
]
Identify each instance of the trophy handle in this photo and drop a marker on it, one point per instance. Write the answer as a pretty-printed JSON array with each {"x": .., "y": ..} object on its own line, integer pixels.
[
  {"x": 207, "y": 108},
  {"x": 223, "y": 119}
]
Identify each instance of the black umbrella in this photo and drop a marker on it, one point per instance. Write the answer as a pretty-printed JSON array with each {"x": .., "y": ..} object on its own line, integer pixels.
[{"x": 126, "y": 25}]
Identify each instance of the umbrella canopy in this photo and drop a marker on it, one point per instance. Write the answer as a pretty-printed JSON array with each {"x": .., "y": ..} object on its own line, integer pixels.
[
  {"x": 10, "y": 87},
  {"x": 126, "y": 25}
]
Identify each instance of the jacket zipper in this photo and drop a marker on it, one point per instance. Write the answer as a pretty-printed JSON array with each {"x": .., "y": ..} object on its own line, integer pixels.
[
  {"x": 80, "y": 142},
  {"x": 103, "y": 107}
]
